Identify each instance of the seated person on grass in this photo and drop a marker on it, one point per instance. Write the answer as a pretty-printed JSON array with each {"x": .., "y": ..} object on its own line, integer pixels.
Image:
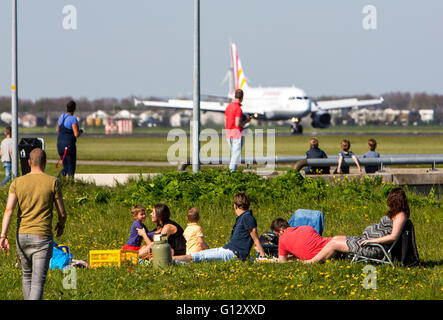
[
  {"x": 160, "y": 215},
  {"x": 346, "y": 154},
  {"x": 372, "y": 144},
  {"x": 135, "y": 240},
  {"x": 302, "y": 242},
  {"x": 193, "y": 232},
  {"x": 243, "y": 236},
  {"x": 315, "y": 152}
]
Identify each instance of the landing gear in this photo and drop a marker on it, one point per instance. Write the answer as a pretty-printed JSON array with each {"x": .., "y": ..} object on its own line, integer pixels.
[{"x": 296, "y": 128}]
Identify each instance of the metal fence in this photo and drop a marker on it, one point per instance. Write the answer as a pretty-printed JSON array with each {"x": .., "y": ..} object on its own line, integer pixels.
[{"x": 300, "y": 161}]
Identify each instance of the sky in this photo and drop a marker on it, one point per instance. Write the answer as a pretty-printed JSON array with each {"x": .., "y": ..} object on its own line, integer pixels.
[{"x": 145, "y": 48}]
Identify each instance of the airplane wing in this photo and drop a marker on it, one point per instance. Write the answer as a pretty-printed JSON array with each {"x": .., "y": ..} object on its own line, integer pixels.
[
  {"x": 344, "y": 103},
  {"x": 189, "y": 104},
  {"x": 183, "y": 104}
]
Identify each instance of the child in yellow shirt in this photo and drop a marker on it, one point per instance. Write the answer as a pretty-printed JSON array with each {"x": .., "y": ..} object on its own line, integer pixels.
[{"x": 193, "y": 232}]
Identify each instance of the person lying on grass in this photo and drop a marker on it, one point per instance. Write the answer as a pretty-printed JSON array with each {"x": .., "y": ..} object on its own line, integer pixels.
[
  {"x": 301, "y": 242},
  {"x": 384, "y": 232},
  {"x": 243, "y": 236}
]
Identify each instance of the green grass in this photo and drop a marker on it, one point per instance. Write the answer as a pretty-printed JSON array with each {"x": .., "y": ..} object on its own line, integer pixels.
[
  {"x": 99, "y": 218},
  {"x": 137, "y": 148}
]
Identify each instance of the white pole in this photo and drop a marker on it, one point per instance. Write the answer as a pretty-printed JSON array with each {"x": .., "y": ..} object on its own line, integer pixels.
[
  {"x": 196, "y": 109},
  {"x": 14, "y": 94}
]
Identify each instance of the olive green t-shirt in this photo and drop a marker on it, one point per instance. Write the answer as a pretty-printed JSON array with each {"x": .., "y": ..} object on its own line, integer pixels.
[{"x": 36, "y": 194}]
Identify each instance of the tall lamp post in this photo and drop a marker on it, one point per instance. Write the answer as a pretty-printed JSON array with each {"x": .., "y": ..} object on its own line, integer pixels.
[
  {"x": 196, "y": 108},
  {"x": 14, "y": 94}
]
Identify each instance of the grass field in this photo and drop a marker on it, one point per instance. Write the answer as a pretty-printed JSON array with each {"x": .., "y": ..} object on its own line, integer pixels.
[
  {"x": 154, "y": 148},
  {"x": 99, "y": 218}
]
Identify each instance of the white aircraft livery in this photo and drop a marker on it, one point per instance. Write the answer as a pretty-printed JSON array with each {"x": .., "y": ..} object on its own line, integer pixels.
[{"x": 270, "y": 103}]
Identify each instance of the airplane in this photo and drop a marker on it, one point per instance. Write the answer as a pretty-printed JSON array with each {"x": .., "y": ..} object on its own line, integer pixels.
[{"x": 269, "y": 103}]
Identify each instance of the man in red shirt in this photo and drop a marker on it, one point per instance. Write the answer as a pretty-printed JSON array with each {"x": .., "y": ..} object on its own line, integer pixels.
[
  {"x": 303, "y": 242},
  {"x": 234, "y": 124}
]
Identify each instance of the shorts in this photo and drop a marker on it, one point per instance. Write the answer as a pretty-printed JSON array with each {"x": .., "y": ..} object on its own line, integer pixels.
[{"x": 128, "y": 247}]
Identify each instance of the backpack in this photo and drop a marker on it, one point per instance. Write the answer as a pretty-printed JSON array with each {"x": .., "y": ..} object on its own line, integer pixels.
[
  {"x": 405, "y": 250},
  {"x": 269, "y": 242}
]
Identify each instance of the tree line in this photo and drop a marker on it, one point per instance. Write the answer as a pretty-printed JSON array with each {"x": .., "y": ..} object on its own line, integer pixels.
[{"x": 400, "y": 100}]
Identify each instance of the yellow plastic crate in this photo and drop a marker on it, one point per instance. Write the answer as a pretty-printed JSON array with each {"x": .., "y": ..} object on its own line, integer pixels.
[{"x": 104, "y": 258}]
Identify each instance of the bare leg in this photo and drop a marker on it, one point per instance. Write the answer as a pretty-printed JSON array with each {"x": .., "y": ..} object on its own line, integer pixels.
[
  {"x": 337, "y": 244},
  {"x": 185, "y": 258},
  {"x": 144, "y": 251}
]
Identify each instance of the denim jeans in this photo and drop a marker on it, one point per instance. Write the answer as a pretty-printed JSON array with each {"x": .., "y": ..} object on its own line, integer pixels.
[
  {"x": 236, "y": 147},
  {"x": 34, "y": 253},
  {"x": 7, "y": 165},
  {"x": 215, "y": 254}
]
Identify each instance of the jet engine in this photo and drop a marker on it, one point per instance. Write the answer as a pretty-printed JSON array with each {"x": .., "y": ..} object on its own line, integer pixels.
[{"x": 321, "y": 120}]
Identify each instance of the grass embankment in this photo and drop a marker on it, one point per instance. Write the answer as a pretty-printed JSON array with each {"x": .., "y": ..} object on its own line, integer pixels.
[{"x": 99, "y": 218}]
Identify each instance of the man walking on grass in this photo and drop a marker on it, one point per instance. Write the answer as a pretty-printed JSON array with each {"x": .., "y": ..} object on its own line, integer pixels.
[{"x": 34, "y": 194}]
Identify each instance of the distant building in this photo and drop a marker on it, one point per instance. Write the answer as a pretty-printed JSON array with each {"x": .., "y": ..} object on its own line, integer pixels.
[
  {"x": 31, "y": 121},
  {"x": 180, "y": 119},
  {"x": 149, "y": 119},
  {"x": 6, "y": 117},
  {"x": 426, "y": 115},
  {"x": 390, "y": 115},
  {"x": 208, "y": 118},
  {"x": 97, "y": 118},
  {"x": 124, "y": 114}
]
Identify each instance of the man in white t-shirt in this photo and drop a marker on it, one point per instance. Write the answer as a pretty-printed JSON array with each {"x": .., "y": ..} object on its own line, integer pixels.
[{"x": 5, "y": 152}]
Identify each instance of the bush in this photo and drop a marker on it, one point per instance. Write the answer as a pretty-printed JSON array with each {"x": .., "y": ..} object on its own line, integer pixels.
[{"x": 218, "y": 186}]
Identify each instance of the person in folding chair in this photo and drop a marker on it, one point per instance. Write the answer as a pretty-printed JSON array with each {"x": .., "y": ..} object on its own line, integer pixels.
[{"x": 385, "y": 233}]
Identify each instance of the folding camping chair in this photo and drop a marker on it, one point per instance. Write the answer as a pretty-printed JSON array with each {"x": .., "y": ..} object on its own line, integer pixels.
[
  {"x": 403, "y": 249},
  {"x": 385, "y": 259}
]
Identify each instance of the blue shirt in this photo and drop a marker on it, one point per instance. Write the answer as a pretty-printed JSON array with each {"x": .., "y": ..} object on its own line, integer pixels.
[
  {"x": 241, "y": 241},
  {"x": 346, "y": 155},
  {"x": 134, "y": 239},
  {"x": 69, "y": 120},
  {"x": 344, "y": 167},
  {"x": 371, "y": 154}
]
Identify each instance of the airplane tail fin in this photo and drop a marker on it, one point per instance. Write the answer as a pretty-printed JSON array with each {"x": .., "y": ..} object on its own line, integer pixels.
[{"x": 237, "y": 70}]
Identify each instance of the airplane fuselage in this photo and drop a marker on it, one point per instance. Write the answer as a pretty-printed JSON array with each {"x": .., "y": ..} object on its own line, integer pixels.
[{"x": 278, "y": 103}]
